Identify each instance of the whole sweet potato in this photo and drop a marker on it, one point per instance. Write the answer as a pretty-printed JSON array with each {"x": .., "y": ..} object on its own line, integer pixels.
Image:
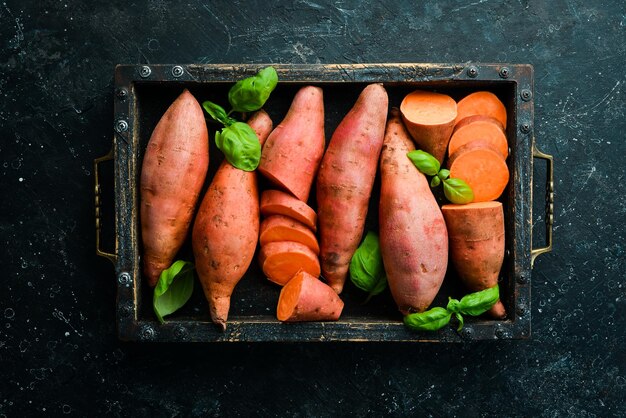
[
  {"x": 413, "y": 235},
  {"x": 226, "y": 229},
  {"x": 172, "y": 174},
  {"x": 345, "y": 180}
]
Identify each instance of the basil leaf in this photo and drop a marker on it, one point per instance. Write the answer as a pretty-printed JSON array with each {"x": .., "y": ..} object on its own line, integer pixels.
[
  {"x": 453, "y": 305},
  {"x": 240, "y": 145},
  {"x": 457, "y": 191},
  {"x": 366, "y": 266},
  {"x": 173, "y": 289},
  {"x": 218, "y": 113},
  {"x": 251, "y": 93},
  {"x": 435, "y": 181},
  {"x": 479, "y": 302},
  {"x": 424, "y": 162},
  {"x": 431, "y": 320},
  {"x": 443, "y": 174},
  {"x": 459, "y": 317}
]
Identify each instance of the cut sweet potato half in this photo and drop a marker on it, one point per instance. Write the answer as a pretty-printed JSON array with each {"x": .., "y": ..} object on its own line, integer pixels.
[
  {"x": 306, "y": 298},
  {"x": 276, "y": 228},
  {"x": 280, "y": 261},
  {"x": 276, "y": 202},
  {"x": 429, "y": 117}
]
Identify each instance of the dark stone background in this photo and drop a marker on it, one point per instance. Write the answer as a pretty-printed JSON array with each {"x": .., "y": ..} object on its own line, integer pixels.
[{"x": 59, "y": 353}]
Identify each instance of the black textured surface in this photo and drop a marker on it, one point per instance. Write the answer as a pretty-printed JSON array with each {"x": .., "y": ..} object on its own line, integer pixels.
[{"x": 58, "y": 348}]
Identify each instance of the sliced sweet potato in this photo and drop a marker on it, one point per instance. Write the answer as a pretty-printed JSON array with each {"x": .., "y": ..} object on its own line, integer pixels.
[
  {"x": 429, "y": 117},
  {"x": 483, "y": 129},
  {"x": 306, "y": 298},
  {"x": 277, "y": 228},
  {"x": 481, "y": 103},
  {"x": 280, "y": 261},
  {"x": 276, "y": 202},
  {"x": 469, "y": 119},
  {"x": 482, "y": 167}
]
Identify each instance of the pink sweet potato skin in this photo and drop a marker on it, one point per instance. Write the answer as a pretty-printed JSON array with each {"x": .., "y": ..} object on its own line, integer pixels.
[
  {"x": 345, "y": 180},
  {"x": 172, "y": 174},
  {"x": 226, "y": 229},
  {"x": 413, "y": 235},
  {"x": 476, "y": 232},
  {"x": 294, "y": 149}
]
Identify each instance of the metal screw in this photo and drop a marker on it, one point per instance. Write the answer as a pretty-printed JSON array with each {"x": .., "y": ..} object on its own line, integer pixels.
[
  {"x": 521, "y": 279},
  {"x": 181, "y": 333},
  {"x": 526, "y": 95},
  {"x": 121, "y": 126},
  {"x": 145, "y": 71},
  {"x": 122, "y": 93},
  {"x": 124, "y": 279},
  {"x": 127, "y": 310},
  {"x": 525, "y": 127},
  {"x": 472, "y": 71},
  {"x": 521, "y": 309},
  {"x": 499, "y": 333},
  {"x": 466, "y": 332},
  {"x": 147, "y": 332},
  {"x": 504, "y": 72},
  {"x": 177, "y": 71}
]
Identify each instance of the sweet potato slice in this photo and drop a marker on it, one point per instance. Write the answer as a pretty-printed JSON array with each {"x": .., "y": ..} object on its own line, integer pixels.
[
  {"x": 277, "y": 228},
  {"x": 306, "y": 298},
  {"x": 429, "y": 117},
  {"x": 293, "y": 151},
  {"x": 481, "y": 103},
  {"x": 476, "y": 233},
  {"x": 469, "y": 119},
  {"x": 276, "y": 202},
  {"x": 483, "y": 129},
  {"x": 280, "y": 261},
  {"x": 482, "y": 168}
]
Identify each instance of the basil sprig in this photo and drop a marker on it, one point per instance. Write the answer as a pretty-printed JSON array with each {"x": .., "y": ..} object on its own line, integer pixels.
[
  {"x": 366, "y": 267},
  {"x": 456, "y": 190},
  {"x": 173, "y": 289},
  {"x": 473, "y": 304},
  {"x": 240, "y": 144}
]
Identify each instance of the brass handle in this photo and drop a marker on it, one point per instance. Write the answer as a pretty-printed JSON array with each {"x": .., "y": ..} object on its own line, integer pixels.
[
  {"x": 534, "y": 252},
  {"x": 110, "y": 256}
]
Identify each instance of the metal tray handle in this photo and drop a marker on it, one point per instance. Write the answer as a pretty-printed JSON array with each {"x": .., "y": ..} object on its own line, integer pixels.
[
  {"x": 534, "y": 252},
  {"x": 109, "y": 256}
]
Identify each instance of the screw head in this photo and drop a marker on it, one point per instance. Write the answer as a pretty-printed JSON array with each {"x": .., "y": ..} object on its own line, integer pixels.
[
  {"x": 147, "y": 332},
  {"x": 124, "y": 279},
  {"x": 127, "y": 310},
  {"x": 121, "y": 126},
  {"x": 499, "y": 332},
  {"x": 145, "y": 71},
  {"x": 521, "y": 279},
  {"x": 521, "y": 309},
  {"x": 181, "y": 333},
  {"x": 526, "y": 95},
  {"x": 504, "y": 72},
  {"x": 525, "y": 127},
  {"x": 121, "y": 93},
  {"x": 472, "y": 72},
  {"x": 466, "y": 332},
  {"x": 177, "y": 71}
]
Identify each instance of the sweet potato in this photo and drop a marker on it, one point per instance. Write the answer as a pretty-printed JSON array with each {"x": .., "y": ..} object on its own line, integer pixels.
[
  {"x": 294, "y": 149},
  {"x": 275, "y": 202},
  {"x": 280, "y": 261},
  {"x": 172, "y": 174},
  {"x": 484, "y": 129},
  {"x": 413, "y": 235},
  {"x": 429, "y": 117},
  {"x": 226, "y": 229},
  {"x": 482, "y": 167},
  {"x": 306, "y": 298},
  {"x": 481, "y": 103},
  {"x": 345, "y": 180},
  {"x": 283, "y": 228},
  {"x": 470, "y": 119},
  {"x": 476, "y": 233}
]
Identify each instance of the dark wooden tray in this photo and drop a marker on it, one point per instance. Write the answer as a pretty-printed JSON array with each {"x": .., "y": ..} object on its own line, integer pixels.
[{"x": 143, "y": 93}]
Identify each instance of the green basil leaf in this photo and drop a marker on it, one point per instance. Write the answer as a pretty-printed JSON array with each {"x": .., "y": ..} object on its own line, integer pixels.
[
  {"x": 457, "y": 191},
  {"x": 366, "y": 266},
  {"x": 359, "y": 276},
  {"x": 435, "y": 181},
  {"x": 218, "y": 113},
  {"x": 453, "y": 305},
  {"x": 240, "y": 145},
  {"x": 424, "y": 162},
  {"x": 443, "y": 174},
  {"x": 173, "y": 289},
  {"x": 459, "y": 317},
  {"x": 251, "y": 93},
  {"x": 431, "y": 320},
  {"x": 380, "y": 285},
  {"x": 479, "y": 302}
]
